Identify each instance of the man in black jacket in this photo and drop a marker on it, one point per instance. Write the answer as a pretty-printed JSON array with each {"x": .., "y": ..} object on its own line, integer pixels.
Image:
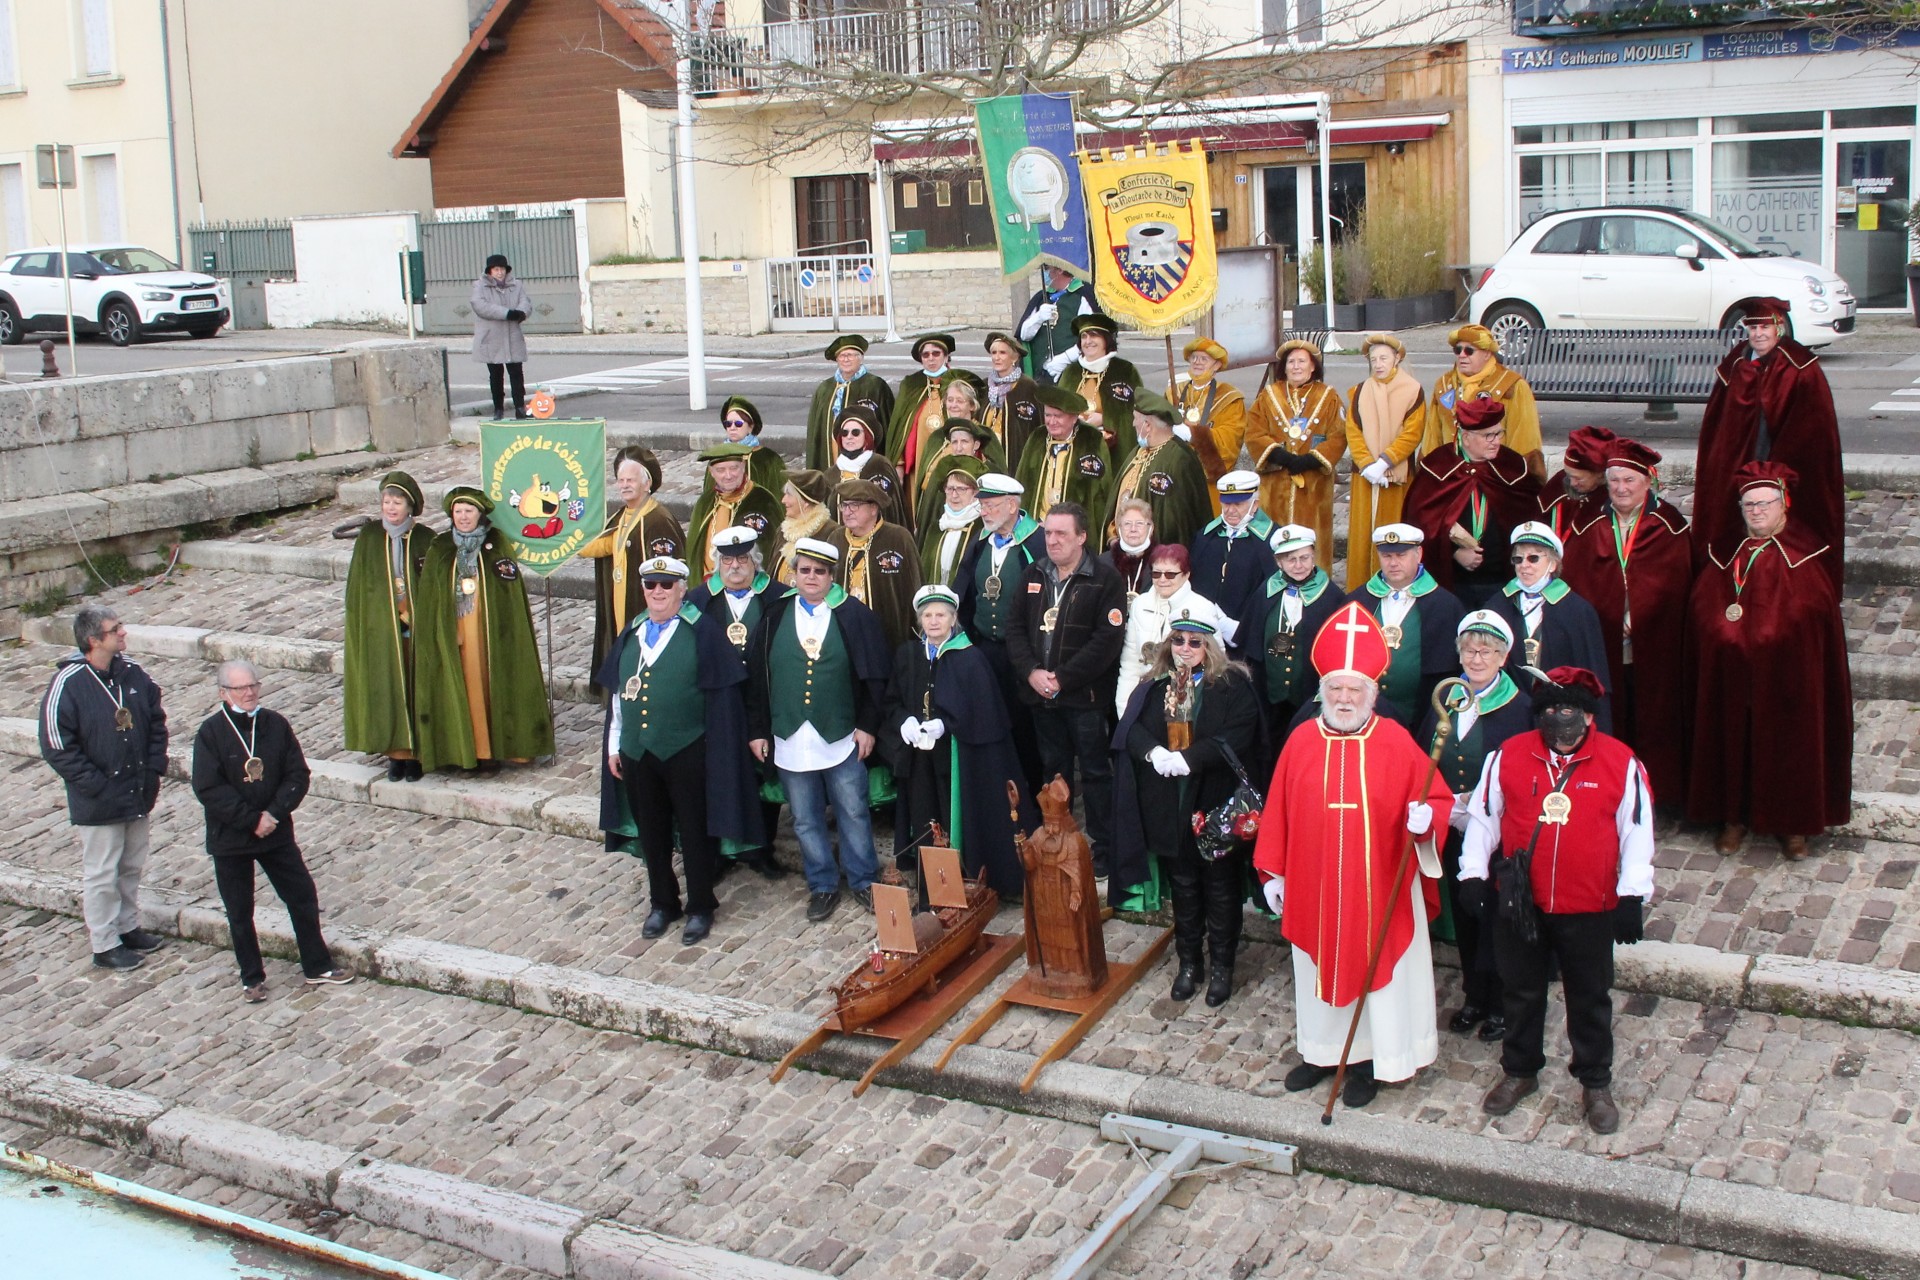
[
  {"x": 104, "y": 732},
  {"x": 1070, "y": 622},
  {"x": 249, "y": 774}
]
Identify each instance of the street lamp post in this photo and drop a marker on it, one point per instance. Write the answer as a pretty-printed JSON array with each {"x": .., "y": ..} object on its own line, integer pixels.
[{"x": 689, "y": 220}]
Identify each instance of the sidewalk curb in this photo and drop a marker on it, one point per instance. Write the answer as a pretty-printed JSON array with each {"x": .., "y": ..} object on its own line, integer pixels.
[
  {"x": 1825, "y": 989},
  {"x": 1646, "y": 1203},
  {"x": 503, "y": 1225}
]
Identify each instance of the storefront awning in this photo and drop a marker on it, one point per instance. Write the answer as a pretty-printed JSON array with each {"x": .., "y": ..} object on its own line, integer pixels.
[{"x": 1238, "y": 133}]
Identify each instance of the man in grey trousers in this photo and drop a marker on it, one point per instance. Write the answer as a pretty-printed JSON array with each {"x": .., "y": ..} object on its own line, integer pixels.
[{"x": 104, "y": 732}]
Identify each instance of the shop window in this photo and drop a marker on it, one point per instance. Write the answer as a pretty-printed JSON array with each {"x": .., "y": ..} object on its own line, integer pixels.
[
  {"x": 1769, "y": 191},
  {"x": 1650, "y": 177},
  {"x": 1549, "y": 184},
  {"x": 1778, "y": 122},
  {"x": 1874, "y": 118}
]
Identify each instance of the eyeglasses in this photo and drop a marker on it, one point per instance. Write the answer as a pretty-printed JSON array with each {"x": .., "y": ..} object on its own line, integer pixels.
[
  {"x": 1759, "y": 504},
  {"x": 1187, "y": 640},
  {"x": 1528, "y": 558},
  {"x": 241, "y": 688},
  {"x": 1464, "y": 350},
  {"x": 1164, "y": 575},
  {"x": 853, "y": 431},
  {"x": 812, "y": 569},
  {"x": 659, "y": 584}
]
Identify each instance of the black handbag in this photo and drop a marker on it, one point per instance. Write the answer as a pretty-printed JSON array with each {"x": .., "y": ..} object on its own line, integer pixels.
[
  {"x": 1232, "y": 824},
  {"x": 1517, "y": 905}
]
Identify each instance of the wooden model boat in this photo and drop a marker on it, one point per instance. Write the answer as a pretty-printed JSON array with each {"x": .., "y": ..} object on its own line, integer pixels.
[{"x": 945, "y": 935}]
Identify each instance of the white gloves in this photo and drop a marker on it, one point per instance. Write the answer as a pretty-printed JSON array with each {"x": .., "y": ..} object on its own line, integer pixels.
[
  {"x": 1059, "y": 363},
  {"x": 930, "y": 731},
  {"x": 1168, "y": 764},
  {"x": 1275, "y": 891},
  {"x": 1419, "y": 817},
  {"x": 910, "y": 731},
  {"x": 1375, "y": 472},
  {"x": 1045, "y": 313}
]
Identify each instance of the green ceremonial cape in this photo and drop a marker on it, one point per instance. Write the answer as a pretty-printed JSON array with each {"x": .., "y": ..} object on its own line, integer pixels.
[
  {"x": 913, "y": 391},
  {"x": 517, "y": 716},
  {"x": 820, "y": 442},
  {"x": 1089, "y": 474},
  {"x": 760, "y": 511},
  {"x": 378, "y": 683},
  {"x": 933, "y": 496},
  {"x": 1174, "y": 484}
]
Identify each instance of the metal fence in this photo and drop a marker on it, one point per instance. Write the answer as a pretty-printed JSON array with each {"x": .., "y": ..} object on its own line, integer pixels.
[
  {"x": 246, "y": 255},
  {"x": 1659, "y": 365},
  {"x": 541, "y": 247},
  {"x": 821, "y": 291}
]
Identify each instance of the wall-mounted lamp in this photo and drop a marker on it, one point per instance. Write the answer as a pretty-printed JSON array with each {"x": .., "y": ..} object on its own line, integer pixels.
[{"x": 1396, "y": 148}]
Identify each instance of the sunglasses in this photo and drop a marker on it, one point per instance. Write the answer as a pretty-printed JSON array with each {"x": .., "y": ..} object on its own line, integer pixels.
[
  {"x": 1187, "y": 640},
  {"x": 739, "y": 422},
  {"x": 658, "y": 584},
  {"x": 1464, "y": 350},
  {"x": 853, "y": 431},
  {"x": 1165, "y": 574},
  {"x": 1529, "y": 558},
  {"x": 811, "y": 569}
]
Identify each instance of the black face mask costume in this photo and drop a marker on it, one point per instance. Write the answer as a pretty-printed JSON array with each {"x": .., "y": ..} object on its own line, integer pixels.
[{"x": 1563, "y": 728}]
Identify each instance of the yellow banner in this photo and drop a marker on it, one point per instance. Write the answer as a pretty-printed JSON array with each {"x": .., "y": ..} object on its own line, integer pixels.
[{"x": 1152, "y": 224}]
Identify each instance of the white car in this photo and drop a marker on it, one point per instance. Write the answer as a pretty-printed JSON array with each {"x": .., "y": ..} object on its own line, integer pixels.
[
  {"x": 120, "y": 290},
  {"x": 1651, "y": 267}
]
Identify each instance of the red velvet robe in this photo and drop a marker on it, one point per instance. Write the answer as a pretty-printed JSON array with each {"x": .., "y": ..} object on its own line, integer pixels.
[
  {"x": 1437, "y": 499},
  {"x": 1338, "y": 862},
  {"x": 1788, "y": 385},
  {"x": 1563, "y": 509},
  {"x": 1657, "y": 581},
  {"x": 1773, "y": 700}
]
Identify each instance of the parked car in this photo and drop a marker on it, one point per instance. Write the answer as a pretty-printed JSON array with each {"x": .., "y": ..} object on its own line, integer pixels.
[
  {"x": 121, "y": 290},
  {"x": 1651, "y": 267}
]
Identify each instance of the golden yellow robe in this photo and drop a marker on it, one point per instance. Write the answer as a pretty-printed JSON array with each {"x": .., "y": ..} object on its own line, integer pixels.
[
  {"x": 1223, "y": 424},
  {"x": 1305, "y": 421},
  {"x": 1384, "y": 420}
]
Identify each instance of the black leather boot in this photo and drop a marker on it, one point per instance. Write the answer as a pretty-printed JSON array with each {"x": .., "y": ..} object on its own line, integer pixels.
[{"x": 1187, "y": 981}]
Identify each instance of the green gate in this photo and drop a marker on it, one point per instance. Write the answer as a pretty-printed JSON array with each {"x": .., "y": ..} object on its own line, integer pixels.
[
  {"x": 541, "y": 247},
  {"x": 246, "y": 255}
]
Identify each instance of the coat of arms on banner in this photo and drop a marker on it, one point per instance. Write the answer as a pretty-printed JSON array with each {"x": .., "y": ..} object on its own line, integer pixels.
[{"x": 1152, "y": 220}]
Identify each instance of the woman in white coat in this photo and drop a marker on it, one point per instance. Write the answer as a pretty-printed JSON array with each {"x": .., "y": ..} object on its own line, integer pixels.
[{"x": 1153, "y": 612}]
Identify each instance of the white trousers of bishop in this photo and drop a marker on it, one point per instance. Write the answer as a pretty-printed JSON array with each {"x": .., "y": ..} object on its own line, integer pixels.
[{"x": 1400, "y": 1029}]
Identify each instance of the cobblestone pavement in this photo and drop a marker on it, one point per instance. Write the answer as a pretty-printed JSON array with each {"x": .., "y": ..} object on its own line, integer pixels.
[
  {"x": 700, "y": 1146},
  {"x": 385, "y": 1242}
]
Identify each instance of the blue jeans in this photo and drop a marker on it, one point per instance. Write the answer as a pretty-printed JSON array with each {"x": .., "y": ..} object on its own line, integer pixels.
[{"x": 808, "y": 794}]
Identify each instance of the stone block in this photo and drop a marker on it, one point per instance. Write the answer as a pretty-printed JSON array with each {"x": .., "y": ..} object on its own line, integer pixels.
[
  {"x": 268, "y": 558},
  {"x": 124, "y": 404},
  {"x": 77, "y": 1108},
  {"x": 500, "y": 1225},
  {"x": 208, "y": 926},
  {"x": 473, "y": 800},
  {"x": 577, "y": 816},
  {"x": 1881, "y": 815},
  {"x": 641, "y": 1008},
  {"x": 343, "y": 780},
  {"x": 267, "y": 388},
  {"x": 404, "y": 388},
  {"x": 1876, "y": 675},
  {"x": 450, "y": 968},
  {"x": 39, "y": 413},
  {"x": 163, "y": 642},
  {"x": 27, "y": 887},
  {"x": 1799, "y": 1230},
  {"x": 614, "y": 1251},
  {"x": 162, "y": 504},
  {"x": 1834, "y": 991},
  {"x": 247, "y": 1155},
  {"x": 280, "y": 437},
  {"x": 190, "y": 450},
  {"x": 341, "y": 430},
  {"x": 239, "y": 491},
  {"x": 1683, "y": 972},
  {"x": 284, "y": 653},
  {"x": 27, "y": 523},
  {"x": 76, "y": 466}
]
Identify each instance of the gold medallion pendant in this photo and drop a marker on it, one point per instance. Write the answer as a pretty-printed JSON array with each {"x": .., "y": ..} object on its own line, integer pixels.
[
  {"x": 1555, "y": 808},
  {"x": 1050, "y": 619},
  {"x": 255, "y": 769},
  {"x": 1734, "y": 611},
  {"x": 811, "y": 647},
  {"x": 993, "y": 587},
  {"x": 122, "y": 719},
  {"x": 631, "y": 689},
  {"x": 737, "y": 633},
  {"x": 1193, "y": 417},
  {"x": 1532, "y": 651},
  {"x": 1281, "y": 645},
  {"x": 1392, "y": 636},
  {"x": 468, "y": 586}
]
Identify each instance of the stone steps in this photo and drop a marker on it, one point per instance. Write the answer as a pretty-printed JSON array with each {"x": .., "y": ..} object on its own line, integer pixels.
[{"x": 1644, "y": 1192}]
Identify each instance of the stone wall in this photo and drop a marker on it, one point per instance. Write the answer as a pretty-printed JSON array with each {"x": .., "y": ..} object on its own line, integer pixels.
[{"x": 933, "y": 292}]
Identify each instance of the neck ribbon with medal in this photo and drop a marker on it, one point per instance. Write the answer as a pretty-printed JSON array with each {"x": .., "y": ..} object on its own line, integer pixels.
[
  {"x": 1740, "y": 572},
  {"x": 122, "y": 716},
  {"x": 1557, "y": 805},
  {"x": 254, "y": 769}
]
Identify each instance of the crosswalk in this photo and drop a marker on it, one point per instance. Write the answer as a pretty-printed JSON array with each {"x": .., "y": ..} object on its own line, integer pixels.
[
  {"x": 633, "y": 377},
  {"x": 1910, "y": 404}
]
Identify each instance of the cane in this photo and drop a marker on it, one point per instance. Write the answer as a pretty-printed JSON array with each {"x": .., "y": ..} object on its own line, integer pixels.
[{"x": 1442, "y": 731}]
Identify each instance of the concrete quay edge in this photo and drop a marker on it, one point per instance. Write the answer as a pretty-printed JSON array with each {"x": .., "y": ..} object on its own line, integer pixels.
[
  {"x": 548, "y": 1238},
  {"x": 1824, "y": 989},
  {"x": 1661, "y": 1205}
]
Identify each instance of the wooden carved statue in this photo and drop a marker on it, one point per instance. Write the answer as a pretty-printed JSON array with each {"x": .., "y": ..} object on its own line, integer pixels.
[{"x": 1066, "y": 954}]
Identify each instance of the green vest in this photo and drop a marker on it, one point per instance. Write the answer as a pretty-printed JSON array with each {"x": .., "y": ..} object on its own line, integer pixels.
[
  {"x": 1286, "y": 672},
  {"x": 993, "y": 616},
  {"x": 1465, "y": 755},
  {"x": 749, "y": 615},
  {"x": 665, "y": 712},
  {"x": 1402, "y": 681},
  {"x": 816, "y": 691}
]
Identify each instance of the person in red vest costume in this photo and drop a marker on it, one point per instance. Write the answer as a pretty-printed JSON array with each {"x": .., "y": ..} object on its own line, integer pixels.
[
  {"x": 1564, "y": 815},
  {"x": 1631, "y": 557},
  {"x": 1578, "y": 489},
  {"x": 1350, "y": 789},
  {"x": 1767, "y": 657},
  {"x": 1467, "y": 498},
  {"x": 1771, "y": 403}
]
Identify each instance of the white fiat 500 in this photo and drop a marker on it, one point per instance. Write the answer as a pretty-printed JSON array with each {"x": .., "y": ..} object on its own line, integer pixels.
[
  {"x": 1651, "y": 267},
  {"x": 121, "y": 290}
]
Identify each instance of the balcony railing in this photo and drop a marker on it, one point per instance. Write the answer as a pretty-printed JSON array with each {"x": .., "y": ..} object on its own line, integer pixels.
[
  {"x": 1594, "y": 17},
  {"x": 918, "y": 40}
]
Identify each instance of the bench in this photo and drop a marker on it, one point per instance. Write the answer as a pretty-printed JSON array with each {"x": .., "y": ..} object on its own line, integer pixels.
[{"x": 1662, "y": 367}]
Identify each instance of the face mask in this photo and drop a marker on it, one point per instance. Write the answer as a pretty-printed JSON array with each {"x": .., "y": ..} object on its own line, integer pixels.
[{"x": 1562, "y": 728}]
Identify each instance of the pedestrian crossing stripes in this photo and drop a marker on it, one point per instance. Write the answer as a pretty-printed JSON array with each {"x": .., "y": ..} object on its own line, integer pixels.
[
  {"x": 635, "y": 376},
  {"x": 1901, "y": 406}
]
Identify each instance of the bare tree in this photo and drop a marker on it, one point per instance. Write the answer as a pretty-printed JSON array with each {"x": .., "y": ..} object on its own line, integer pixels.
[{"x": 911, "y": 72}]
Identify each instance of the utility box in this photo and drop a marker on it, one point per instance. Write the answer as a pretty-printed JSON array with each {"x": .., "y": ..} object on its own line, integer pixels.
[
  {"x": 413, "y": 275},
  {"x": 914, "y": 241},
  {"x": 209, "y": 262}
]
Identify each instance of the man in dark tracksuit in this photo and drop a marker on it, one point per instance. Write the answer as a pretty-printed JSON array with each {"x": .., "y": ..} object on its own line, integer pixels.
[
  {"x": 249, "y": 774},
  {"x": 1065, "y": 639},
  {"x": 104, "y": 732}
]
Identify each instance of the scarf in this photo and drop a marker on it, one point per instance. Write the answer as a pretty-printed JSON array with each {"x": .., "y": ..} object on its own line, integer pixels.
[
  {"x": 397, "y": 553},
  {"x": 466, "y": 564},
  {"x": 952, "y": 518},
  {"x": 1094, "y": 364},
  {"x": 851, "y": 463},
  {"x": 1383, "y": 408},
  {"x": 997, "y": 387},
  {"x": 1135, "y": 552},
  {"x": 795, "y": 528}
]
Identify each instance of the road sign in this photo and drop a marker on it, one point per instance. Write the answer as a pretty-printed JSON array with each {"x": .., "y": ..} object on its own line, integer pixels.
[
  {"x": 864, "y": 274},
  {"x": 45, "y": 157},
  {"x": 807, "y": 278}
]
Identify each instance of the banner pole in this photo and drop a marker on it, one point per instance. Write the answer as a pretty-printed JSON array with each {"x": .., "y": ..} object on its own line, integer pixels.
[
  {"x": 1170, "y": 377},
  {"x": 548, "y": 582}
]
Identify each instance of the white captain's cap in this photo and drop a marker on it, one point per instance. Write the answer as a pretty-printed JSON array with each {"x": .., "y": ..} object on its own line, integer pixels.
[
  {"x": 664, "y": 567},
  {"x": 996, "y": 485},
  {"x": 1238, "y": 485},
  {"x": 1536, "y": 532},
  {"x": 1292, "y": 537},
  {"x": 814, "y": 549},
  {"x": 1398, "y": 535}
]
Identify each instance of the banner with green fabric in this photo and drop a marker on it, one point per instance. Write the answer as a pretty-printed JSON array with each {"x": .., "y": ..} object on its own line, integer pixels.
[
  {"x": 1033, "y": 182},
  {"x": 548, "y": 485}
]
